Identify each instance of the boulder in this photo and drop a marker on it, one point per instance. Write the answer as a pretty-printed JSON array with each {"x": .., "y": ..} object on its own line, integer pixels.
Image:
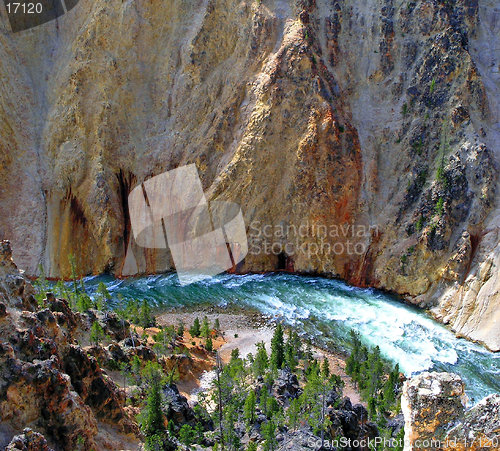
[
  {"x": 28, "y": 441},
  {"x": 176, "y": 407},
  {"x": 430, "y": 403},
  {"x": 286, "y": 387}
]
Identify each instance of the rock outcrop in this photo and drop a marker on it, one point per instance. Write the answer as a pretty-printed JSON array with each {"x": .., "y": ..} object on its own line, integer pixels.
[
  {"x": 47, "y": 382},
  {"x": 28, "y": 441},
  {"x": 434, "y": 408}
]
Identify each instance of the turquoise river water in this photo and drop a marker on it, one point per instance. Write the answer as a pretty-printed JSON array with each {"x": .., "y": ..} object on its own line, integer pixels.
[{"x": 327, "y": 310}]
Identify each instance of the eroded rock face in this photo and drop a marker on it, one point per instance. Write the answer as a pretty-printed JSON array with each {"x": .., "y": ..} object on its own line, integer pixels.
[
  {"x": 286, "y": 387},
  {"x": 430, "y": 403},
  {"x": 363, "y": 134},
  {"x": 47, "y": 382},
  {"x": 435, "y": 416},
  {"x": 479, "y": 428},
  {"x": 29, "y": 441}
]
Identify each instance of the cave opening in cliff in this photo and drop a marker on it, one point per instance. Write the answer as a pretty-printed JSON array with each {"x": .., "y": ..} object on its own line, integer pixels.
[{"x": 282, "y": 263}]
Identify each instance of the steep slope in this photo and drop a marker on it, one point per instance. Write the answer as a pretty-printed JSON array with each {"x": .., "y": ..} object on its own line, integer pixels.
[
  {"x": 359, "y": 138},
  {"x": 48, "y": 382}
]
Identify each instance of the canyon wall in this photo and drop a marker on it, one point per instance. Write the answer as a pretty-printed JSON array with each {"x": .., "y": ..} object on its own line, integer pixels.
[{"x": 360, "y": 138}]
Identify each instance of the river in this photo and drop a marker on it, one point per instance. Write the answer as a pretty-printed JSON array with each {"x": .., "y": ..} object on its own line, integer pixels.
[{"x": 327, "y": 310}]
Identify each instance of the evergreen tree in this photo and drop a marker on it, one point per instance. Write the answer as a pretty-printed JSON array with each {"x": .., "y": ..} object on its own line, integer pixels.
[
  {"x": 154, "y": 443},
  {"x": 313, "y": 401},
  {"x": 72, "y": 264},
  {"x": 249, "y": 408},
  {"x": 231, "y": 439},
  {"x": 294, "y": 413},
  {"x": 291, "y": 352},
  {"x": 195, "y": 331},
  {"x": 187, "y": 435},
  {"x": 171, "y": 428},
  {"x": 372, "y": 407},
  {"x": 296, "y": 345},
  {"x": 217, "y": 325},
  {"x": 152, "y": 422},
  {"x": 209, "y": 345},
  {"x": 83, "y": 300},
  {"x": 205, "y": 328},
  {"x": 269, "y": 434},
  {"x": 391, "y": 387},
  {"x": 96, "y": 333},
  {"x": 135, "y": 368},
  {"x": 261, "y": 361},
  {"x": 180, "y": 330},
  {"x": 264, "y": 395},
  {"x": 102, "y": 296},
  {"x": 146, "y": 318},
  {"x": 199, "y": 433},
  {"x": 278, "y": 348},
  {"x": 220, "y": 395},
  {"x": 325, "y": 369}
]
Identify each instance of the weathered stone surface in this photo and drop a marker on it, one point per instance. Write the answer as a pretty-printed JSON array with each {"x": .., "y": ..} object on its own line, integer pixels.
[
  {"x": 29, "y": 441},
  {"x": 176, "y": 407},
  {"x": 435, "y": 416},
  {"x": 479, "y": 429},
  {"x": 48, "y": 383},
  {"x": 286, "y": 387},
  {"x": 430, "y": 403}
]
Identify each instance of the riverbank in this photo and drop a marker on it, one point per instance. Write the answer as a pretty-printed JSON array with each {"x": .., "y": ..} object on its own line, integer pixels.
[{"x": 242, "y": 329}]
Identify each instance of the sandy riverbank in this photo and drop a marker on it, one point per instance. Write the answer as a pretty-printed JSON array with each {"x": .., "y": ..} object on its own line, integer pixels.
[{"x": 243, "y": 330}]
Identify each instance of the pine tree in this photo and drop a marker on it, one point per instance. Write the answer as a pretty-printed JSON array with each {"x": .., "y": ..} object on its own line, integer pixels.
[
  {"x": 146, "y": 318},
  {"x": 313, "y": 401},
  {"x": 217, "y": 325},
  {"x": 195, "y": 331},
  {"x": 264, "y": 395},
  {"x": 249, "y": 408},
  {"x": 96, "y": 333},
  {"x": 83, "y": 300},
  {"x": 372, "y": 407},
  {"x": 205, "y": 328},
  {"x": 199, "y": 433},
  {"x": 152, "y": 421},
  {"x": 209, "y": 345},
  {"x": 230, "y": 436},
  {"x": 187, "y": 435},
  {"x": 102, "y": 296},
  {"x": 180, "y": 330},
  {"x": 135, "y": 368},
  {"x": 278, "y": 348},
  {"x": 325, "y": 369},
  {"x": 154, "y": 443},
  {"x": 291, "y": 352},
  {"x": 261, "y": 361},
  {"x": 293, "y": 413},
  {"x": 170, "y": 428},
  {"x": 269, "y": 435}
]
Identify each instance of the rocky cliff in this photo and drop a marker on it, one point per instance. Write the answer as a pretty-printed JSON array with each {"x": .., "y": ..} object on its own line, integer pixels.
[
  {"x": 360, "y": 138},
  {"x": 436, "y": 417},
  {"x": 48, "y": 381}
]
